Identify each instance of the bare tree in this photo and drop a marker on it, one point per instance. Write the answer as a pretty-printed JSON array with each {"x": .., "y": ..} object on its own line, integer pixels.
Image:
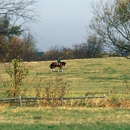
[
  {"x": 53, "y": 53},
  {"x": 111, "y": 21},
  {"x": 79, "y": 50},
  {"x": 58, "y": 51},
  {"x": 18, "y": 12},
  {"x": 67, "y": 53},
  {"x": 15, "y": 16},
  {"x": 92, "y": 48},
  {"x": 30, "y": 49}
]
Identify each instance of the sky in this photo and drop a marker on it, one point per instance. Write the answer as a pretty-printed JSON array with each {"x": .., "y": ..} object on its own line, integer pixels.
[{"x": 62, "y": 22}]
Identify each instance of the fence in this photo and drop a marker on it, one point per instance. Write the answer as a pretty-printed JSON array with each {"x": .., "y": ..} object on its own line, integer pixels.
[{"x": 20, "y": 99}]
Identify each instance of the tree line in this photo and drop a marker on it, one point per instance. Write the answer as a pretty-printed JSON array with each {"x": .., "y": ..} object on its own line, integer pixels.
[{"x": 108, "y": 33}]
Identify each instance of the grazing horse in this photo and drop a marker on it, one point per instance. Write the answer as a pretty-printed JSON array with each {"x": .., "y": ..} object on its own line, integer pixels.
[{"x": 54, "y": 64}]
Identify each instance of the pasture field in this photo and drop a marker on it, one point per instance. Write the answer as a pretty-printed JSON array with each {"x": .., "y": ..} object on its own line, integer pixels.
[
  {"x": 98, "y": 75},
  {"x": 109, "y": 76},
  {"x": 64, "y": 119}
]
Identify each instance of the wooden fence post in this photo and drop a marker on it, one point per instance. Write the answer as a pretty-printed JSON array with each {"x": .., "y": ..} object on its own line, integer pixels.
[
  {"x": 62, "y": 101},
  {"x": 20, "y": 101}
]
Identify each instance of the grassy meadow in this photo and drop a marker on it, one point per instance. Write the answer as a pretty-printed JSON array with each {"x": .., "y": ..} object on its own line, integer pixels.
[
  {"x": 97, "y": 76},
  {"x": 64, "y": 119}
]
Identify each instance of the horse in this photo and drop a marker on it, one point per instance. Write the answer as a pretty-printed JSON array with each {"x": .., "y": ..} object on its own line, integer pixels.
[{"x": 54, "y": 64}]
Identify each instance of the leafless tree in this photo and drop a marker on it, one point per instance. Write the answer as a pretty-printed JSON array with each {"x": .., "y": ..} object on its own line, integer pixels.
[
  {"x": 92, "y": 48},
  {"x": 111, "y": 21},
  {"x": 18, "y": 12},
  {"x": 30, "y": 49},
  {"x": 15, "y": 17},
  {"x": 67, "y": 53},
  {"x": 56, "y": 52},
  {"x": 53, "y": 53}
]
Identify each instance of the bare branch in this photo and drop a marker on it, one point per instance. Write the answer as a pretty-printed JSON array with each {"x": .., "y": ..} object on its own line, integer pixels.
[
  {"x": 109, "y": 24},
  {"x": 20, "y": 12}
]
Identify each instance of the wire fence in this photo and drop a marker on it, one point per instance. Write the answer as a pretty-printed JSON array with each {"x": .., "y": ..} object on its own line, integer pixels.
[{"x": 20, "y": 101}]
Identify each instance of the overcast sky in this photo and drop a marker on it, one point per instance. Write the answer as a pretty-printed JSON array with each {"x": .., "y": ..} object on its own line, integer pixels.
[{"x": 63, "y": 22}]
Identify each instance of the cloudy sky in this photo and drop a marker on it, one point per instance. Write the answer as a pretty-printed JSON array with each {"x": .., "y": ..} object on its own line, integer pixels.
[{"x": 62, "y": 22}]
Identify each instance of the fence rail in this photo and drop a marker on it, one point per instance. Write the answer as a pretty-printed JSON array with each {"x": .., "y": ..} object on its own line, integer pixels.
[{"x": 21, "y": 99}]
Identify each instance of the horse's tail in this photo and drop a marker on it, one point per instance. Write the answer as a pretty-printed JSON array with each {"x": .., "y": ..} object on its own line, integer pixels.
[{"x": 51, "y": 65}]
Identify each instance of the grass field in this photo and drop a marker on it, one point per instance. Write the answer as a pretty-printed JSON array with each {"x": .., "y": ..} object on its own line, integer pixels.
[
  {"x": 103, "y": 76},
  {"x": 64, "y": 119},
  {"x": 109, "y": 76}
]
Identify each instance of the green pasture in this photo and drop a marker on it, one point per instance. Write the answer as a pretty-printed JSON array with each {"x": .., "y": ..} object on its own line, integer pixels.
[
  {"x": 109, "y": 76},
  {"x": 97, "y": 75},
  {"x": 64, "y": 119}
]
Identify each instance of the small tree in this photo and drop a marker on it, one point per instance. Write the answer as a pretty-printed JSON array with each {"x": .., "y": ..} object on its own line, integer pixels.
[{"x": 17, "y": 73}]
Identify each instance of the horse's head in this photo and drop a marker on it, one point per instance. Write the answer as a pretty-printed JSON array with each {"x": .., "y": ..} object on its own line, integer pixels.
[{"x": 63, "y": 63}]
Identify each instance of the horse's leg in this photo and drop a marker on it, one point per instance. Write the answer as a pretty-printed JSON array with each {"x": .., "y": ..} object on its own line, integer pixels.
[
  {"x": 53, "y": 69},
  {"x": 59, "y": 69}
]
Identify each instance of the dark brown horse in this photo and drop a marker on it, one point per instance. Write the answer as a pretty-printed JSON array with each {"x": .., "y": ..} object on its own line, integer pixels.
[{"x": 54, "y": 64}]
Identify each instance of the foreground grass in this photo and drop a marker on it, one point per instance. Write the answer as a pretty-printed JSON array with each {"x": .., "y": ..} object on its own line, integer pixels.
[
  {"x": 64, "y": 118},
  {"x": 97, "y": 126}
]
